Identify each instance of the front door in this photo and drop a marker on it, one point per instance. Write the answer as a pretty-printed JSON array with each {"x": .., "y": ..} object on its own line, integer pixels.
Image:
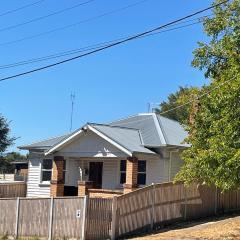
[{"x": 95, "y": 174}]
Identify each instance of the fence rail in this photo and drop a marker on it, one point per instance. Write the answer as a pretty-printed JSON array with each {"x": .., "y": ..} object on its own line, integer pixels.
[
  {"x": 101, "y": 218},
  {"x": 14, "y": 189}
]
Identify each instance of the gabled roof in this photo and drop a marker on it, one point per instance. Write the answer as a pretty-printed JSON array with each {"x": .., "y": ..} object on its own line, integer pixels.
[{"x": 135, "y": 134}]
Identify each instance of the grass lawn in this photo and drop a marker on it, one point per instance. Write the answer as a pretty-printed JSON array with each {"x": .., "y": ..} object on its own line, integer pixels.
[{"x": 222, "y": 228}]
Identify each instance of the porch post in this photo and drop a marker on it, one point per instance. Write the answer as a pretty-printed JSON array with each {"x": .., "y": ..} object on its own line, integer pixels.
[
  {"x": 83, "y": 187},
  {"x": 131, "y": 174},
  {"x": 57, "y": 182}
]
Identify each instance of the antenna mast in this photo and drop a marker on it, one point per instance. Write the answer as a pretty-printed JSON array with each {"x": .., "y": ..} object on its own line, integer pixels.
[{"x": 72, "y": 96}]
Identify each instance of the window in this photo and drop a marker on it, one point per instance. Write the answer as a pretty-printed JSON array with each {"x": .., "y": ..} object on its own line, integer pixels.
[
  {"x": 141, "y": 178},
  {"x": 46, "y": 170},
  {"x": 122, "y": 171}
]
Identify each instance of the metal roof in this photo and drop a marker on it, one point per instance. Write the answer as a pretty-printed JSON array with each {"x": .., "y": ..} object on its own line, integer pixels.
[
  {"x": 145, "y": 123},
  {"x": 173, "y": 131},
  {"x": 127, "y": 137},
  {"x": 135, "y": 133},
  {"x": 158, "y": 133},
  {"x": 45, "y": 144}
]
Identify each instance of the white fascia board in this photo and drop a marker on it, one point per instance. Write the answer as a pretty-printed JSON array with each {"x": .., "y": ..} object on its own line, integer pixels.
[
  {"x": 159, "y": 130},
  {"x": 61, "y": 144},
  {"x": 110, "y": 140}
]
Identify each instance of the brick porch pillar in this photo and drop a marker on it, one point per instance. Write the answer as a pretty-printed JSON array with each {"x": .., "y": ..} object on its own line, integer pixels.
[
  {"x": 57, "y": 181},
  {"x": 131, "y": 174},
  {"x": 83, "y": 187}
]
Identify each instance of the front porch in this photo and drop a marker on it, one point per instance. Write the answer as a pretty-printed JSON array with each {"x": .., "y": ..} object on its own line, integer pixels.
[{"x": 96, "y": 177}]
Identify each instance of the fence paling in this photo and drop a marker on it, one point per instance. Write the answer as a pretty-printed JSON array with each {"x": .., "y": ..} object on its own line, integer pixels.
[
  {"x": 17, "y": 217},
  {"x": 50, "y": 219}
]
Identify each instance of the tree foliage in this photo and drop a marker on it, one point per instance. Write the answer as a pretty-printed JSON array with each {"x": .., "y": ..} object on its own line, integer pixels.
[
  {"x": 6, "y": 161},
  {"x": 181, "y": 96},
  {"x": 5, "y": 142},
  {"x": 5, "y": 139},
  {"x": 214, "y": 156}
]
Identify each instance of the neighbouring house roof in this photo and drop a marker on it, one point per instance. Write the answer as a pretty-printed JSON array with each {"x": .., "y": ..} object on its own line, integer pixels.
[
  {"x": 44, "y": 144},
  {"x": 20, "y": 161},
  {"x": 135, "y": 134}
]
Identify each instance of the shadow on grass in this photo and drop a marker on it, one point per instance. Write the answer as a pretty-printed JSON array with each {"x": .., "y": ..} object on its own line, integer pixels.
[{"x": 185, "y": 224}]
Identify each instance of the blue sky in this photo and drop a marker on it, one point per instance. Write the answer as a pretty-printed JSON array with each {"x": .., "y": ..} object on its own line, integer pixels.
[{"x": 108, "y": 85}]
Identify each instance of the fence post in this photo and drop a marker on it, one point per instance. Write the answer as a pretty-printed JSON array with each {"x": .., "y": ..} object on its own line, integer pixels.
[
  {"x": 153, "y": 206},
  {"x": 114, "y": 219},
  {"x": 84, "y": 217},
  {"x": 17, "y": 217},
  {"x": 50, "y": 219},
  {"x": 185, "y": 202},
  {"x": 216, "y": 200}
]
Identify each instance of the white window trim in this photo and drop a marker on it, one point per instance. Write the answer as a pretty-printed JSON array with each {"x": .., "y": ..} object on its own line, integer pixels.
[{"x": 41, "y": 171}]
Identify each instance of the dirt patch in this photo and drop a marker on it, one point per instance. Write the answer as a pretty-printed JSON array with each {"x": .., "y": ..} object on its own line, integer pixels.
[{"x": 227, "y": 228}]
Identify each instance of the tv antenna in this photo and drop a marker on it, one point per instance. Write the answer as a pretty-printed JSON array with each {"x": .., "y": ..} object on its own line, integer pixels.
[
  {"x": 151, "y": 106},
  {"x": 72, "y": 96}
]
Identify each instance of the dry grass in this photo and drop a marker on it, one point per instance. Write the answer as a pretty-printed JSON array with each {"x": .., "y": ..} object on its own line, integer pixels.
[{"x": 224, "y": 229}]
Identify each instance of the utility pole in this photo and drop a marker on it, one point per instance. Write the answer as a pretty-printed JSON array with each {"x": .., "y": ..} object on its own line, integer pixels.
[{"x": 72, "y": 96}]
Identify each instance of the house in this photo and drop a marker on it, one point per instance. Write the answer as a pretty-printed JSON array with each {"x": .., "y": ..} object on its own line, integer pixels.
[
  {"x": 106, "y": 158},
  {"x": 21, "y": 169}
]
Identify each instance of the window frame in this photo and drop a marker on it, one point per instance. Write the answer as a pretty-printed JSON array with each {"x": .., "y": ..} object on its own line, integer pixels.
[
  {"x": 122, "y": 172},
  {"x": 45, "y": 170},
  {"x": 142, "y": 172}
]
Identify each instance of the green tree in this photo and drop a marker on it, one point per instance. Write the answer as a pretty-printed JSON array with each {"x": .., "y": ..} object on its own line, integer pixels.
[
  {"x": 5, "y": 141},
  {"x": 6, "y": 161},
  {"x": 214, "y": 135},
  {"x": 181, "y": 96}
]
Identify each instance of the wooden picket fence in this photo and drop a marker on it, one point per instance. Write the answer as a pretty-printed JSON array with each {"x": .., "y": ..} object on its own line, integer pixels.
[
  {"x": 13, "y": 189},
  {"x": 100, "y": 218}
]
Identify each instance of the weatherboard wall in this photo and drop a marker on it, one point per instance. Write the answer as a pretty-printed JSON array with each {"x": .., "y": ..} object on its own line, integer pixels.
[{"x": 34, "y": 186}]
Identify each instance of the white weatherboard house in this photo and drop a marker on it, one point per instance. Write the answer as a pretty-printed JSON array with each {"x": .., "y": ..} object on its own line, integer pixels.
[{"x": 106, "y": 158}]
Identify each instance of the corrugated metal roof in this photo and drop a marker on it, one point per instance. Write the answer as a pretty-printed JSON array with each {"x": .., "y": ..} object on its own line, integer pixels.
[
  {"x": 145, "y": 123},
  {"x": 126, "y": 137},
  {"x": 173, "y": 131},
  {"x": 45, "y": 144},
  {"x": 133, "y": 133}
]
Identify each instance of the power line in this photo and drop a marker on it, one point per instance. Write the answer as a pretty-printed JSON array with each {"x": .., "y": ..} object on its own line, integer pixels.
[
  {"x": 83, "y": 49},
  {"x": 20, "y": 8},
  {"x": 73, "y": 24},
  {"x": 45, "y": 16},
  {"x": 113, "y": 44}
]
